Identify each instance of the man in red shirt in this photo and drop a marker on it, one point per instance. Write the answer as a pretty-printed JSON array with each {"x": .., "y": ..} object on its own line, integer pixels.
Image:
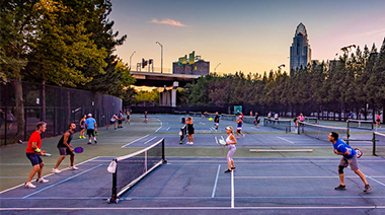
[{"x": 33, "y": 153}]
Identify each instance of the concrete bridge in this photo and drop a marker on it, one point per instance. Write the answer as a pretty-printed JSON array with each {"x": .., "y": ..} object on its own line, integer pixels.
[{"x": 152, "y": 79}]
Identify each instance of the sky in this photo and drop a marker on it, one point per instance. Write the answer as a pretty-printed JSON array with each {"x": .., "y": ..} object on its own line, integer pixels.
[{"x": 251, "y": 36}]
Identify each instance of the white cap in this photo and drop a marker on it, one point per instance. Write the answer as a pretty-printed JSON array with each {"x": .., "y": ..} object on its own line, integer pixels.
[
  {"x": 89, "y": 114},
  {"x": 228, "y": 128}
]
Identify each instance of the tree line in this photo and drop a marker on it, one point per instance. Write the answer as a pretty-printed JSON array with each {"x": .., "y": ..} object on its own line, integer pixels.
[
  {"x": 351, "y": 83},
  {"x": 63, "y": 43}
]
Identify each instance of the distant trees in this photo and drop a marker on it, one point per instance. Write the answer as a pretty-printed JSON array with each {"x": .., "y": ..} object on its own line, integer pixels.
[{"x": 345, "y": 85}]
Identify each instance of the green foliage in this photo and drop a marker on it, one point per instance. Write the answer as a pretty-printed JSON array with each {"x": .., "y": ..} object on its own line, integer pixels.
[{"x": 148, "y": 96}]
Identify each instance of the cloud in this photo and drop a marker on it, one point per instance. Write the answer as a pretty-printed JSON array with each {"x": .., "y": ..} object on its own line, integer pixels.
[
  {"x": 168, "y": 22},
  {"x": 382, "y": 31}
]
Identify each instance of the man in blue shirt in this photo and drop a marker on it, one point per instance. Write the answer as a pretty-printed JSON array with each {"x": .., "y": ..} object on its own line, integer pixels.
[
  {"x": 349, "y": 157},
  {"x": 91, "y": 128}
]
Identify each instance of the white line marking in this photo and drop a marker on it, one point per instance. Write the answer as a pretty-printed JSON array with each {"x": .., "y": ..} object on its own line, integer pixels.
[
  {"x": 17, "y": 186},
  {"x": 232, "y": 189},
  {"x": 216, "y": 182},
  {"x": 197, "y": 208},
  {"x": 60, "y": 182},
  {"x": 295, "y": 177},
  {"x": 286, "y": 140},
  {"x": 158, "y": 129},
  {"x": 149, "y": 140},
  {"x": 135, "y": 141},
  {"x": 202, "y": 123},
  {"x": 216, "y": 140},
  {"x": 276, "y": 161},
  {"x": 160, "y": 122},
  {"x": 281, "y": 150},
  {"x": 379, "y": 182},
  {"x": 168, "y": 128}
]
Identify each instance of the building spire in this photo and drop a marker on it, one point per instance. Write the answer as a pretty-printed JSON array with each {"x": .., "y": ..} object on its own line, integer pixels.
[{"x": 301, "y": 29}]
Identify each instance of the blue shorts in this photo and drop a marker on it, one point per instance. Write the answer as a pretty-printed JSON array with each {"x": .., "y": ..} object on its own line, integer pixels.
[{"x": 34, "y": 158}]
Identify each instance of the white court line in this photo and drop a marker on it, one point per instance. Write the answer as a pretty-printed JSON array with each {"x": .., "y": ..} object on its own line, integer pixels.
[
  {"x": 276, "y": 161},
  {"x": 135, "y": 141},
  {"x": 216, "y": 140},
  {"x": 158, "y": 129},
  {"x": 60, "y": 182},
  {"x": 286, "y": 140},
  {"x": 216, "y": 182},
  {"x": 168, "y": 128},
  {"x": 300, "y": 177},
  {"x": 149, "y": 140},
  {"x": 202, "y": 123},
  {"x": 232, "y": 189},
  {"x": 379, "y": 182},
  {"x": 17, "y": 186},
  {"x": 160, "y": 122},
  {"x": 198, "y": 208}
]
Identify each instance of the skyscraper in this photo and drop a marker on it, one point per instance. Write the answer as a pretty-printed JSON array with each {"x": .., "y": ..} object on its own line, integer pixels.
[{"x": 300, "y": 52}]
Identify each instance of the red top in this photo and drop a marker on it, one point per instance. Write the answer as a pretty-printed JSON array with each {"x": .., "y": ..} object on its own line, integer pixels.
[
  {"x": 35, "y": 137},
  {"x": 378, "y": 116}
]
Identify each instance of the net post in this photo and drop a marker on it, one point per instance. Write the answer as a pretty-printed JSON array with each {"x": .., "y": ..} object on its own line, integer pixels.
[
  {"x": 163, "y": 152},
  {"x": 347, "y": 136},
  {"x": 374, "y": 143},
  {"x": 114, "y": 194}
]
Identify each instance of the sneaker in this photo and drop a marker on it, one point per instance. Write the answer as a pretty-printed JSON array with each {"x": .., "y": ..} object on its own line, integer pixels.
[
  {"x": 340, "y": 187},
  {"x": 42, "y": 180},
  {"x": 80, "y": 137},
  {"x": 227, "y": 171},
  {"x": 89, "y": 143},
  {"x": 191, "y": 143},
  {"x": 243, "y": 136},
  {"x": 29, "y": 185},
  {"x": 95, "y": 141},
  {"x": 237, "y": 137},
  {"x": 73, "y": 167},
  {"x": 188, "y": 143},
  {"x": 233, "y": 168},
  {"x": 84, "y": 137},
  {"x": 367, "y": 188},
  {"x": 54, "y": 170}
]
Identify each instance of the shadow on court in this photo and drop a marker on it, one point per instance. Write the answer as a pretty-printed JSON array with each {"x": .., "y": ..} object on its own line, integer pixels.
[{"x": 199, "y": 185}]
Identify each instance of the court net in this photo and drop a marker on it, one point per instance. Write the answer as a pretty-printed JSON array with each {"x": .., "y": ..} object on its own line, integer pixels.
[
  {"x": 182, "y": 133},
  {"x": 360, "y": 124},
  {"x": 322, "y": 132},
  {"x": 378, "y": 143},
  {"x": 281, "y": 124},
  {"x": 128, "y": 170},
  {"x": 310, "y": 119}
]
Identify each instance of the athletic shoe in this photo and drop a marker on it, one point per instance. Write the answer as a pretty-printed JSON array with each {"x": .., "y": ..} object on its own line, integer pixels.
[
  {"x": 95, "y": 141},
  {"x": 188, "y": 143},
  {"x": 191, "y": 143},
  {"x": 80, "y": 137},
  {"x": 73, "y": 167},
  {"x": 237, "y": 137},
  {"x": 29, "y": 185},
  {"x": 89, "y": 143},
  {"x": 340, "y": 187},
  {"x": 227, "y": 171},
  {"x": 42, "y": 180},
  {"x": 233, "y": 168},
  {"x": 367, "y": 188},
  {"x": 84, "y": 137},
  {"x": 54, "y": 170},
  {"x": 243, "y": 136}
]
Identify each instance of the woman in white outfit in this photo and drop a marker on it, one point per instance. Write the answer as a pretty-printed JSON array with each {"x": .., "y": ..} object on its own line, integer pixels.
[{"x": 230, "y": 141}]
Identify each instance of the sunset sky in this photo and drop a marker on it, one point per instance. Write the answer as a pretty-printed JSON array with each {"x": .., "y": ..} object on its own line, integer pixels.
[{"x": 246, "y": 35}]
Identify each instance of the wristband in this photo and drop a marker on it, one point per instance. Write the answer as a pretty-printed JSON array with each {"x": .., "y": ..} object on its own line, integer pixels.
[{"x": 37, "y": 150}]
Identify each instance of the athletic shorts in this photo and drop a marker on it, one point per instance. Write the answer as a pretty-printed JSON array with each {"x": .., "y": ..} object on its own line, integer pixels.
[
  {"x": 91, "y": 132},
  {"x": 82, "y": 127},
  {"x": 128, "y": 117},
  {"x": 352, "y": 162},
  {"x": 239, "y": 129},
  {"x": 34, "y": 158},
  {"x": 65, "y": 151},
  {"x": 120, "y": 121},
  {"x": 378, "y": 120},
  {"x": 112, "y": 122},
  {"x": 216, "y": 124},
  {"x": 190, "y": 131}
]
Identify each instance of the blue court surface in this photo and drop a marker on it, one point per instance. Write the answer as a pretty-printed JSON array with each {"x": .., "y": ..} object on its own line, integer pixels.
[{"x": 200, "y": 186}]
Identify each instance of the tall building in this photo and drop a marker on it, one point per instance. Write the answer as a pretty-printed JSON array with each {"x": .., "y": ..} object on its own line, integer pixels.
[
  {"x": 200, "y": 67},
  {"x": 300, "y": 52}
]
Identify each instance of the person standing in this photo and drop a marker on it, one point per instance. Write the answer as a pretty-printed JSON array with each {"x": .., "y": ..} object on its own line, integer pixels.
[
  {"x": 269, "y": 115},
  {"x": 91, "y": 127},
  {"x": 216, "y": 120},
  {"x": 113, "y": 121},
  {"x": 145, "y": 117},
  {"x": 65, "y": 148},
  {"x": 230, "y": 141},
  {"x": 349, "y": 157},
  {"x": 10, "y": 119},
  {"x": 378, "y": 121},
  {"x": 257, "y": 119},
  {"x": 190, "y": 130},
  {"x": 301, "y": 117},
  {"x": 33, "y": 153},
  {"x": 82, "y": 127},
  {"x": 276, "y": 116},
  {"x": 239, "y": 127},
  {"x": 128, "y": 117},
  {"x": 120, "y": 119}
]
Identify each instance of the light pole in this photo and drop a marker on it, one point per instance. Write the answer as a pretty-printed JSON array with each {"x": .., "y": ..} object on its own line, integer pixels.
[
  {"x": 161, "y": 56},
  {"x": 215, "y": 70},
  {"x": 131, "y": 57}
]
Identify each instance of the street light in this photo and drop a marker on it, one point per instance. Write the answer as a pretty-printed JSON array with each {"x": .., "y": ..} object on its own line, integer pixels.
[
  {"x": 215, "y": 70},
  {"x": 161, "y": 56},
  {"x": 131, "y": 57}
]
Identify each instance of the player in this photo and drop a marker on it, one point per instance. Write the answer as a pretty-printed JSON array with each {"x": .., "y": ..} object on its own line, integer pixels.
[
  {"x": 120, "y": 119},
  {"x": 230, "y": 141},
  {"x": 33, "y": 153},
  {"x": 65, "y": 148},
  {"x": 82, "y": 127},
  {"x": 113, "y": 121},
  {"x": 301, "y": 117},
  {"x": 239, "y": 127},
  {"x": 216, "y": 120},
  {"x": 378, "y": 121},
  {"x": 91, "y": 127},
  {"x": 257, "y": 119},
  {"x": 190, "y": 130},
  {"x": 349, "y": 158},
  {"x": 145, "y": 117},
  {"x": 128, "y": 117}
]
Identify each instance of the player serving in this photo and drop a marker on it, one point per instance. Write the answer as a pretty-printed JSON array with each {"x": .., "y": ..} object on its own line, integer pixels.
[{"x": 349, "y": 157}]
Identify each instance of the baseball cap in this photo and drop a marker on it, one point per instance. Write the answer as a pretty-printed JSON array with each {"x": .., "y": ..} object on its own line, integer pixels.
[
  {"x": 89, "y": 114},
  {"x": 228, "y": 128}
]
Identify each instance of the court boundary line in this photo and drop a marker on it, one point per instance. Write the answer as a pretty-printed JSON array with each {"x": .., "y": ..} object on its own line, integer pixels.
[
  {"x": 232, "y": 189},
  {"x": 216, "y": 182},
  {"x": 17, "y": 186},
  {"x": 150, "y": 140},
  {"x": 134, "y": 141},
  {"x": 201, "y": 208},
  {"x": 285, "y": 140},
  {"x": 62, "y": 181}
]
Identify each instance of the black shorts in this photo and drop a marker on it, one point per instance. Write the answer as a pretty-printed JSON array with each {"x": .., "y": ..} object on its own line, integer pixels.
[
  {"x": 34, "y": 158},
  {"x": 65, "y": 151},
  {"x": 378, "y": 120},
  {"x": 190, "y": 131},
  {"x": 91, "y": 132},
  {"x": 128, "y": 117},
  {"x": 120, "y": 121},
  {"x": 112, "y": 122}
]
